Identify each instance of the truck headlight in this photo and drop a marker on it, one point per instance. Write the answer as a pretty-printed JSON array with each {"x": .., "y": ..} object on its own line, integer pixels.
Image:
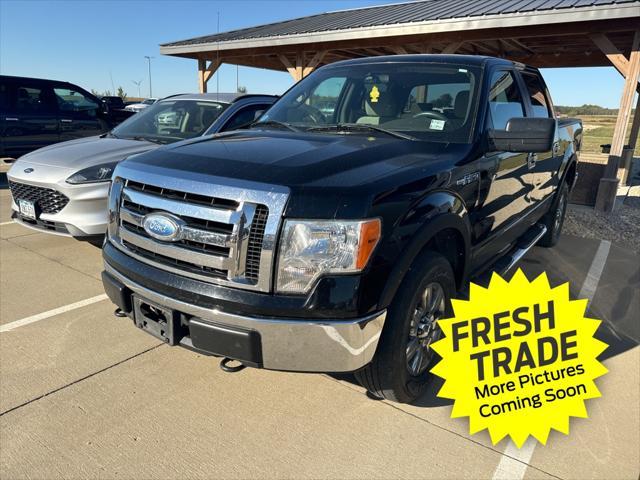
[
  {"x": 97, "y": 173},
  {"x": 312, "y": 248}
]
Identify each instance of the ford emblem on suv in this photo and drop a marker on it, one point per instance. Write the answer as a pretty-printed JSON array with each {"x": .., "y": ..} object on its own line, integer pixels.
[{"x": 162, "y": 226}]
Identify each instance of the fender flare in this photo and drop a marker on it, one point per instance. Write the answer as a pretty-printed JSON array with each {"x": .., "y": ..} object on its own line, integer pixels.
[{"x": 448, "y": 215}]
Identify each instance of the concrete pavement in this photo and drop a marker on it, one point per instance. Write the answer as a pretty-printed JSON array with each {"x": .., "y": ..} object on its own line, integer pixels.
[{"x": 86, "y": 395}]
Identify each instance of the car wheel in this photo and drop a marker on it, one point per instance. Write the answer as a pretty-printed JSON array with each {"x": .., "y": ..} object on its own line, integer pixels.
[
  {"x": 554, "y": 219},
  {"x": 400, "y": 368}
]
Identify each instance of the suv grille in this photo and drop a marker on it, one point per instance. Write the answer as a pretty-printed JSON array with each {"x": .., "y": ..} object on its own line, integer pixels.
[
  {"x": 221, "y": 238},
  {"x": 49, "y": 200}
]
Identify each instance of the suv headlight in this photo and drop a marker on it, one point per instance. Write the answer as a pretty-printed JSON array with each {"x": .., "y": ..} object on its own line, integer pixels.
[
  {"x": 312, "y": 248},
  {"x": 97, "y": 173}
]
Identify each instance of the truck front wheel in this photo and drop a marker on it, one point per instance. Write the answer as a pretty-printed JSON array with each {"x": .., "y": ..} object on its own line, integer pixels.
[{"x": 400, "y": 368}]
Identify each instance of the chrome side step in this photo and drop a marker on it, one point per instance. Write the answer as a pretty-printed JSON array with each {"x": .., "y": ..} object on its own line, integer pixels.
[
  {"x": 505, "y": 263},
  {"x": 524, "y": 244}
]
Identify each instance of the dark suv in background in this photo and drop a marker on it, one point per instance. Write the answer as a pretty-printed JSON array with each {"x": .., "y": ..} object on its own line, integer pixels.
[{"x": 35, "y": 113}]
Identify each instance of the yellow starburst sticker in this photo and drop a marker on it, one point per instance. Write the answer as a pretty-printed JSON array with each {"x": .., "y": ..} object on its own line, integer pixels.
[{"x": 519, "y": 358}]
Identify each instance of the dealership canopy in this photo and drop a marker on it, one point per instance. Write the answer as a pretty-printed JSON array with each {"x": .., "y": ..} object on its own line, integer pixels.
[{"x": 543, "y": 33}]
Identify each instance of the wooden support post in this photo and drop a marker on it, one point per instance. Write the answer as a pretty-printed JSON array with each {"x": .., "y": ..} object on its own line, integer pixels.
[
  {"x": 633, "y": 141},
  {"x": 206, "y": 72},
  {"x": 608, "y": 187},
  {"x": 299, "y": 66}
]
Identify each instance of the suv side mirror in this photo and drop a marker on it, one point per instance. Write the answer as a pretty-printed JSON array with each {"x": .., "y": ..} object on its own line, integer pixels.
[{"x": 524, "y": 135}]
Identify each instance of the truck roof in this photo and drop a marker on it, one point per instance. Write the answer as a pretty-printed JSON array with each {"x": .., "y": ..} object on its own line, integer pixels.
[{"x": 475, "y": 60}]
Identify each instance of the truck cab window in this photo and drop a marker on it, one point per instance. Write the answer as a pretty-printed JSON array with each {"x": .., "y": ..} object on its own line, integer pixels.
[
  {"x": 71, "y": 102},
  {"x": 33, "y": 101},
  {"x": 536, "y": 91},
  {"x": 505, "y": 100}
]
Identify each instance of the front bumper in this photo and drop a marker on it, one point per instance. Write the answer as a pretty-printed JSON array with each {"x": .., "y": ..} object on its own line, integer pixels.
[
  {"x": 276, "y": 343},
  {"x": 84, "y": 215}
]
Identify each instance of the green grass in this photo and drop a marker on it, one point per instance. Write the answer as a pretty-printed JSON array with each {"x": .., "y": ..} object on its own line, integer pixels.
[{"x": 598, "y": 130}]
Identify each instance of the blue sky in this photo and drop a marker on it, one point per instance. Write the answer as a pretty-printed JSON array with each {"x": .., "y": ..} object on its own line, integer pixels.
[{"x": 91, "y": 42}]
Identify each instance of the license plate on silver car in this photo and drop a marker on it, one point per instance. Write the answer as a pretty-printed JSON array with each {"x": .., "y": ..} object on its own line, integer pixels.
[{"x": 27, "y": 209}]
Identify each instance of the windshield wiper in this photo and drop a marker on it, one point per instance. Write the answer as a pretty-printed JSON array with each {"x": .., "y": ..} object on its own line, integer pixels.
[
  {"x": 109, "y": 135},
  {"x": 148, "y": 139},
  {"x": 353, "y": 127},
  {"x": 274, "y": 123}
]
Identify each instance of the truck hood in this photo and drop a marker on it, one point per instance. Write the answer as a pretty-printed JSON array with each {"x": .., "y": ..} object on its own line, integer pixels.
[
  {"x": 313, "y": 160},
  {"x": 86, "y": 152}
]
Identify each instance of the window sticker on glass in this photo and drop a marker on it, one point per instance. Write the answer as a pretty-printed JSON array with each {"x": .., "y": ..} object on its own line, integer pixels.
[{"x": 437, "y": 124}]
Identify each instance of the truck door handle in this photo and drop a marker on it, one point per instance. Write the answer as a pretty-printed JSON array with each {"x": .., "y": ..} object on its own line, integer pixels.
[
  {"x": 11, "y": 119},
  {"x": 532, "y": 158},
  {"x": 66, "y": 120}
]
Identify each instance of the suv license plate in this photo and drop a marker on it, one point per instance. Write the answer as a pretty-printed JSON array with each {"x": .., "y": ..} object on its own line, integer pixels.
[{"x": 27, "y": 209}]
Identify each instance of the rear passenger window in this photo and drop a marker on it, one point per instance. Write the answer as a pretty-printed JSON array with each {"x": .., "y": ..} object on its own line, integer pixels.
[
  {"x": 537, "y": 95},
  {"x": 31, "y": 100},
  {"x": 244, "y": 117},
  {"x": 505, "y": 100}
]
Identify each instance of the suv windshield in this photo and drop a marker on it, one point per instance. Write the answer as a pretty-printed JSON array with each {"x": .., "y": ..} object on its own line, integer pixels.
[
  {"x": 428, "y": 101},
  {"x": 170, "y": 121}
]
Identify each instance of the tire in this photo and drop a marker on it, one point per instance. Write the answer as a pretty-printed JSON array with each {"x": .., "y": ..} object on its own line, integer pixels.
[
  {"x": 389, "y": 374},
  {"x": 554, "y": 218}
]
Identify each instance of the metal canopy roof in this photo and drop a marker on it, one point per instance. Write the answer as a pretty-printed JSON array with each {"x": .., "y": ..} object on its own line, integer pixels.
[
  {"x": 406, "y": 14},
  {"x": 542, "y": 33}
]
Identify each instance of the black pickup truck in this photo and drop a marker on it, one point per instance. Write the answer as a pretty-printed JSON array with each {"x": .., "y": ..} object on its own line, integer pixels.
[
  {"x": 35, "y": 112},
  {"x": 332, "y": 235}
]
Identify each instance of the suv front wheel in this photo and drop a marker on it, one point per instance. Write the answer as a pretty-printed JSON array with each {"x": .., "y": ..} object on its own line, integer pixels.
[{"x": 400, "y": 368}]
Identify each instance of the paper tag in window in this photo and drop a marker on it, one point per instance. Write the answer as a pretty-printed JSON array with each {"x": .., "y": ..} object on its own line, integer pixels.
[{"x": 437, "y": 124}]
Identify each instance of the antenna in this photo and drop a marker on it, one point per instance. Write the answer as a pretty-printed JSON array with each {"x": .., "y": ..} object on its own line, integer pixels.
[{"x": 218, "y": 61}]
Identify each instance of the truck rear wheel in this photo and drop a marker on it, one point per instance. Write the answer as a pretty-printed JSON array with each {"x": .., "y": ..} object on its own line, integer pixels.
[
  {"x": 400, "y": 369},
  {"x": 554, "y": 219}
]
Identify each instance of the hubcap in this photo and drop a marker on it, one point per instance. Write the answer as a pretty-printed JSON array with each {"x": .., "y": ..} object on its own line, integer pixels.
[{"x": 423, "y": 330}]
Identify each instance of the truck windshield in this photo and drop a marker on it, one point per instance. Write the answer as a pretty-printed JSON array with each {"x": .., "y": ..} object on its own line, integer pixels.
[
  {"x": 170, "y": 121},
  {"x": 427, "y": 101}
]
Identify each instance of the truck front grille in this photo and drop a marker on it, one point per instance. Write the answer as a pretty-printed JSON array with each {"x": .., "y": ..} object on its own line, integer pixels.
[
  {"x": 49, "y": 200},
  {"x": 226, "y": 237}
]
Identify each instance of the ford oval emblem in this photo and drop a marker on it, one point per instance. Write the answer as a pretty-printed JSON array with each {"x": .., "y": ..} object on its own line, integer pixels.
[
  {"x": 28, "y": 170},
  {"x": 163, "y": 226}
]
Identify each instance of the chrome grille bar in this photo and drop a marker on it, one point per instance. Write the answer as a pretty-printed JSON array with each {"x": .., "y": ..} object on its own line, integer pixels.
[
  {"x": 188, "y": 233},
  {"x": 228, "y": 227},
  {"x": 171, "y": 251},
  {"x": 181, "y": 208}
]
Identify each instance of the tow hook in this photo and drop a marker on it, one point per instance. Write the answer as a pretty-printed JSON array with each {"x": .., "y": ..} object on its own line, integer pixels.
[
  {"x": 119, "y": 313},
  {"x": 225, "y": 367}
]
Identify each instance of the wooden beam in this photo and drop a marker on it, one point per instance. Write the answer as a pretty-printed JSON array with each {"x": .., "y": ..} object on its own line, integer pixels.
[
  {"x": 206, "y": 72},
  {"x": 451, "y": 48},
  {"x": 398, "y": 50},
  {"x": 289, "y": 66},
  {"x": 313, "y": 63},
  {"x": 615, "y": 56},
  {"x": 607, "y": 190}
]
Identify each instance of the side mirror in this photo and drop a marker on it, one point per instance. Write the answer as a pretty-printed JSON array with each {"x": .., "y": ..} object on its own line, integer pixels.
[{"x": 524, "y": 135}]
